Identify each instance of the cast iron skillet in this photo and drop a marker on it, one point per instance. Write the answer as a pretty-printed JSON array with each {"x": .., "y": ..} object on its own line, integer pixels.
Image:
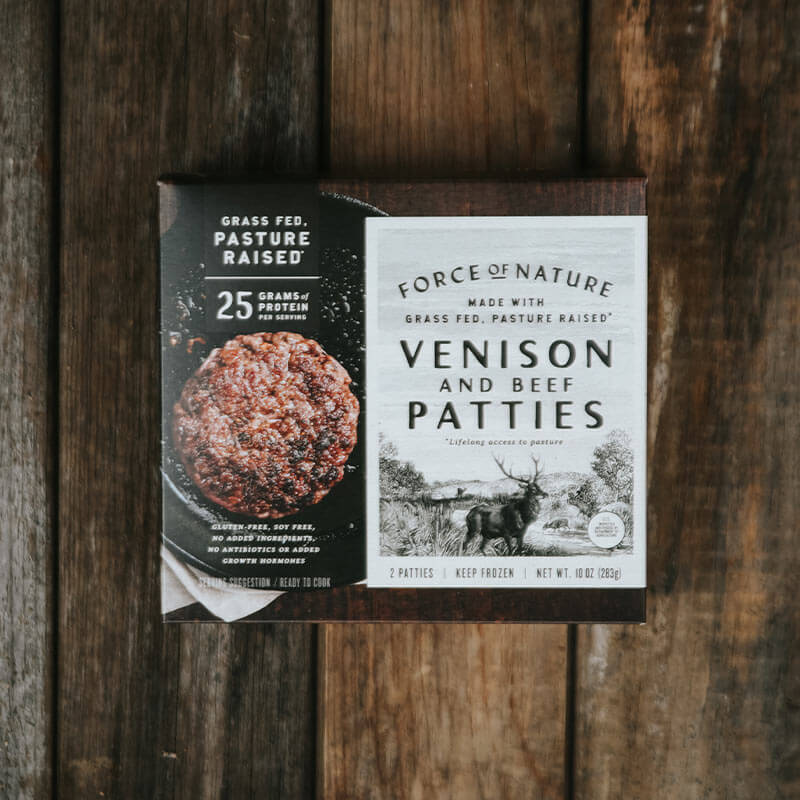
[{"x": 187, "y": 514}]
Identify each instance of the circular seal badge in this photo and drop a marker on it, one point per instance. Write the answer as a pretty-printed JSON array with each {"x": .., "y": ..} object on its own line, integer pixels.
[{"x": 606, "y": 529}]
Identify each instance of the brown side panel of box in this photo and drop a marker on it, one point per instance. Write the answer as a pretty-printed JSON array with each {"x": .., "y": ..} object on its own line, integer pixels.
[
  {"x": 512, "y": 197},
  {"x": 360, "y": 604}
]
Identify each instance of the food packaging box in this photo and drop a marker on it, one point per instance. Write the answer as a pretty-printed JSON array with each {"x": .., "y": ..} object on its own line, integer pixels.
[{"x": 403, "y": 401}]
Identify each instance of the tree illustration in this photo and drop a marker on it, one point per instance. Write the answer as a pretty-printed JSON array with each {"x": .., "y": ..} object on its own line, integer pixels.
[
  {"x": 613, "y": 464},
  {"x": 585, "y": 497},
  {"x": 397, "y": 478}
]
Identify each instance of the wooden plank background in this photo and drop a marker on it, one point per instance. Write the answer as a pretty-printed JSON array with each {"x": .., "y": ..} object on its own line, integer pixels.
[
  {"x": 145, "y": 710},
  {"x": 706, "y": 100},
  {"x": 98, "y": 699},
  {"x": 27, "y": 398}
]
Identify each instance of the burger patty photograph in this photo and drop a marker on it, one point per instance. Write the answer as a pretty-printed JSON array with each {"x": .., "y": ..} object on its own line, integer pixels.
[
  {"x": 399, "y": 400},
  {"x": 266, "y": 424}
]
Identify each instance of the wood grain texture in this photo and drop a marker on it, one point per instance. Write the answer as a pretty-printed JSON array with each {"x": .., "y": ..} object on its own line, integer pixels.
[
  {"x": 449, "y": 88},
  {"x": 246, "y": 716},
  {"x": 26, "y": 399},
  {"x": 148, "y": 710},
  {"x": 420, "y": 710},
  {"x": 704, "y": 702},
  {"x": 444, "y": 711}
]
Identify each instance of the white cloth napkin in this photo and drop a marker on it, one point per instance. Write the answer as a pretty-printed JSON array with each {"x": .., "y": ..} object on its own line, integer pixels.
[{"x": 182, "y": 585}]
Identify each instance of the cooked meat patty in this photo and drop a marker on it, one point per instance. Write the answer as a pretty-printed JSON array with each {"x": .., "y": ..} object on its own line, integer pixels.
[{"x": 266, "y": 424}]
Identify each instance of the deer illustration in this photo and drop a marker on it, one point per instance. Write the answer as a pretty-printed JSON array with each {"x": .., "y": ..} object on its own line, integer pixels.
[{"x": 509, "y": 520}]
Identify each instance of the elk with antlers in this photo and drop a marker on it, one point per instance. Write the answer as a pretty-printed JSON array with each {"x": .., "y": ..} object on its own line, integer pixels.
[{"x": 509, "y": 520}]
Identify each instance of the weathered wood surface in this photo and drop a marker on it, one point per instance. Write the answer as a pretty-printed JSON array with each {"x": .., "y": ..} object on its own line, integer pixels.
[
  {"x": 419, "y": 88},
  {"x": 461, "y": 711},
  {"x": 703, "y": 702},
  {"x": 417, "y": 710},
  {"x": 147, "y": 710},
  {"x": 27, "y": 318}
]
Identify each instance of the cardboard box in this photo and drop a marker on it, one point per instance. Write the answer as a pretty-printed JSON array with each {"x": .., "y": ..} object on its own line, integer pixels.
[{"x": 404, "y": 401}]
